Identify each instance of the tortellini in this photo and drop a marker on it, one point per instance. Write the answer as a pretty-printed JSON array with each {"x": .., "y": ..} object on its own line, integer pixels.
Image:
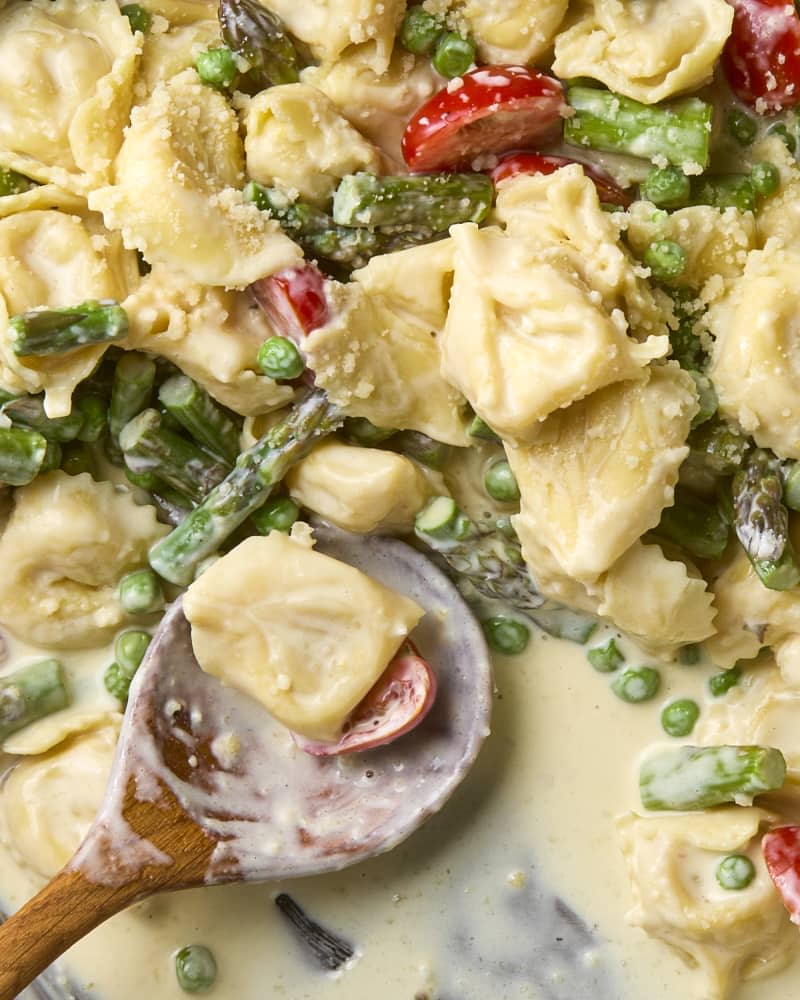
[
  {"x": 525, "y": 337},
  {"x": 48, "y": 803},
  {"x": 176, "y": 193},
  {"x": 169, "y": 52},
  {"x": 756, "y": 358},
  {"x": 212, "y": 335},
  {"x": 67, "y": 544},
  {"x": 513, "y": 31},
  {"x": 778, "y": 216},
  {"x": 307, "y": 641},
  {"x": 600, "y": 472},
  {"x": 66, "y": 72},
  {"x": 296, "y": 138},
  {"x": 672, "y": 863},
  {"x": 359, "y": 489},
  {"x": 48, "y": 258},
  {"x": 645, "y": 49}
]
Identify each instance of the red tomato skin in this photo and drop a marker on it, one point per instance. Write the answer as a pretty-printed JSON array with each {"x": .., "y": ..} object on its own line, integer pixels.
[
  {"x": 294, "y": 301},
  {"x": 515, "y": 164},
  {"x": 487, "y": 111},
  {"x": 781, "y": 850},
  {"x": 761, "y": 58}
]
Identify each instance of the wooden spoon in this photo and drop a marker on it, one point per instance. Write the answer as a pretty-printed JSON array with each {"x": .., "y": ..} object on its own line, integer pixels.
[{"x": 206, "y": 788}]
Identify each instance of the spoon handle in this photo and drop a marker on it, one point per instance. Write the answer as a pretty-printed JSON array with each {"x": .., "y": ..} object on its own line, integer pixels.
[{"x": 66, "y": 909}]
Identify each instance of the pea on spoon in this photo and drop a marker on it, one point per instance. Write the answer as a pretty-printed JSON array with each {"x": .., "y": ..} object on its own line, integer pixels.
[{"x": 206, "y": 789}]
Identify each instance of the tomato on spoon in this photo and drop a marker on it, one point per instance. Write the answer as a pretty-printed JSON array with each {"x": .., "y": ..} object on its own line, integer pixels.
[
  {"x": 294, "y": 301},
  {"x": 761, "y": 58},
  {"x": 537, "y": 163},
  {"x": 781, "y": 850},
  {"x": 489, "y": 110}
]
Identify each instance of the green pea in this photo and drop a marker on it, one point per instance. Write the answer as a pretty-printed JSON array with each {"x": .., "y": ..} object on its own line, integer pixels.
[
  {"x": 500, "y": 482},
  {"x": 195, "y": 968},
  {"x": 360, "y": 431},
  {"x": 765, "y": 178},
  {"x": 129, "y": 649},
  {"x": 721, "y": 683},
  {"x": 139, "y": 18},
  {"x": 13, "y": 183},
  {"x": 741, "y": 127},
  {"x": 117, "y": 682},
  {"x": 606, "y": 659},
  {"x": 277, "y": 514},
  {"x": 419, "y": 31},
  {"x": 679, "y": 717},
  {"x": 690, "y": 655},
  {"x": 140, "y": 592},
  {"x": 637, "y": 684},
  {"x": 789, "y": 140},
  {"x": 453, "y": 54},
  {"x": 666, "y": 260},
  {"x": 217, "y": 67},
  {"x": 736, "y": 871},
  {"x": 667, "y": 187},
  {"x": 506, "y": 635},
  {"x": 280, "y": 359}
]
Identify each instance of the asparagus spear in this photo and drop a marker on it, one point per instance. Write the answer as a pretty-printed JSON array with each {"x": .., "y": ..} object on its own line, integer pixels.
[
  {"x": 694, "y": 525},
  {"x": 22, "y": 454},
  {"x": 678, "y": 132},
  {"x": 257, "y": 35},
  {"x": 761, "y": 521},
  {"x": 720, "y": 446},
  {"x": 13, "y": 183},
  {"x": 94, "y": 410},
  {"x": 257, "y": 471},
  {"x": 204, "y": 419},
  {"x": 149, "y": 447},
  {"x": 28, "y": 411},
  {"x": 433, "y": 201},
  {"x": 31, "y": 693},
  {"x": 55, "y": 331},
  {"x": 701, "y": 777},
  {"x": 134, "y": 377},
  {"x": 421, "y": 447}
]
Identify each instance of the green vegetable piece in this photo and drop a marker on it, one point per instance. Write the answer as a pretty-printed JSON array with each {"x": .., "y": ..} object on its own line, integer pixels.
[
  {"x": 134, "y": 378},
  {"x": 725, "y": 191},
  {"x": 117, "y": 681},
  {"x": 22, "y": 455},
  {"x": 246, "y": 488},
  {"x": 31, "y": 693},
  {"x": 277, "y": 514},
  {"x": 564, "y": 623},
  {"x": 791, "y": 486},
  {"x": 667, "y": 187},
  {"x": 280, "y": 359},
  {"x": 52, "y": 457},
  {"x": 204, "y": 419},
  {"x": 721, "y": 446},
  {"x": 765, "y": 178},
  {"x": 129, "y": 649},
  {"x": 637, "y": 684},
  {"x": 28, "y": 412},
  {"x": 783, "y": 133},
  {"x": 42, "y": 332},
  {"x": 259, "y": 37},
  {"x": 76, "y": 458},
  {"x": 694, "y": 525},
  {"x": 94, "y": 411},
  {"x": 453, "y": 54},
  {"x": 422, "y": 448},
  {"x": 606, "y": 659},
  {"x": 690, "y": 655},
  {"x": 144, "y": 480},
  {"x": 419, "y": 31},
  {"x": 678, "y": 718},
  {"x": 706, "y": 397},
  {"x": 139, "y": 18},
  {"x": 500, "y": 482},
  {"x": 687, "y": 348},
  {"x": 13, "y": 183},
  {"x": 195, "y": 968},
  {"x": 480, "y": 429},
  {"x": 358, "y": 430},
  {"x": 677, "y": 131},
  {"x": 701, "y": 777},
  {"x": 506, "y": 635},
  {"x": 735, "y": 872},
  {"x": 437, "y": 518},
  {"x": 140, "y": 593},
  {"x": 666, "y": 260},
  {"x": 741, "y": 127},
  {"x": 217, "y": 68},
  {"x": 432, "y": 201}
]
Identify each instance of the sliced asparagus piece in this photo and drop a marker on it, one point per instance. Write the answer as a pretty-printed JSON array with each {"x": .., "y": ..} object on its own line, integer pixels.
[
  {"x": 28, "y": 411},
  {"x": 94, "y": 410},
  {"x": 694, "y": 525},
  {"x": 31, "y": 693},
  {"x": 431, "y": 201},
  {"x": 725, "y": 191},
  {"x": 422, "y": 448},
  {"x": 259, "y": 37},
  {"x": 257, "y": 471},
  {"x": 22, "y": 455},
  {"x": 203, "y": 418},
  {"x": 701, "y": 777},
  {"x": 149, "y": 447},
  {"x": 55, "y": 331},
  {"x": 13, "y": 183},
  {"x": 678, "y": 132},
  {"x": 720, "y": 446},
  {"x": 132, "y": 388}
]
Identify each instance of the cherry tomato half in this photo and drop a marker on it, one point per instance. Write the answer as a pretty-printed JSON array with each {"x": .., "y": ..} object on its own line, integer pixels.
[
  {"x": 293, "y": 301},
  {"x": 399, "y": 701},
  {"x": 762, "y": 55},
  {"x": 487, "y": 111},
  {"x": 781, "y": 849},
  {"x": 535, "y": 163}
]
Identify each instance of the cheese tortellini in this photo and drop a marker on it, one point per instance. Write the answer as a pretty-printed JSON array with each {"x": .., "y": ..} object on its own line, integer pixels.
[
  {"x": 67, "y": 544},
  {"x": 296, "y": 138},
  {"x": 513, "y": 31},
  {"x": 645, "y": 49},
  {"x": 169, "y": 52},
  {"x": 176, "y": 194}
]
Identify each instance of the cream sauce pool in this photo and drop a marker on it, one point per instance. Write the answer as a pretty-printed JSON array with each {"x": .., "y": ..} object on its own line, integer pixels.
[{"x": 466, "y": 909}]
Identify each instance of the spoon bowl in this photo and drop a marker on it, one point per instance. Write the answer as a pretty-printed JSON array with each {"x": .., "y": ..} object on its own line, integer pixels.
[{"x": 206, "y": 788}]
